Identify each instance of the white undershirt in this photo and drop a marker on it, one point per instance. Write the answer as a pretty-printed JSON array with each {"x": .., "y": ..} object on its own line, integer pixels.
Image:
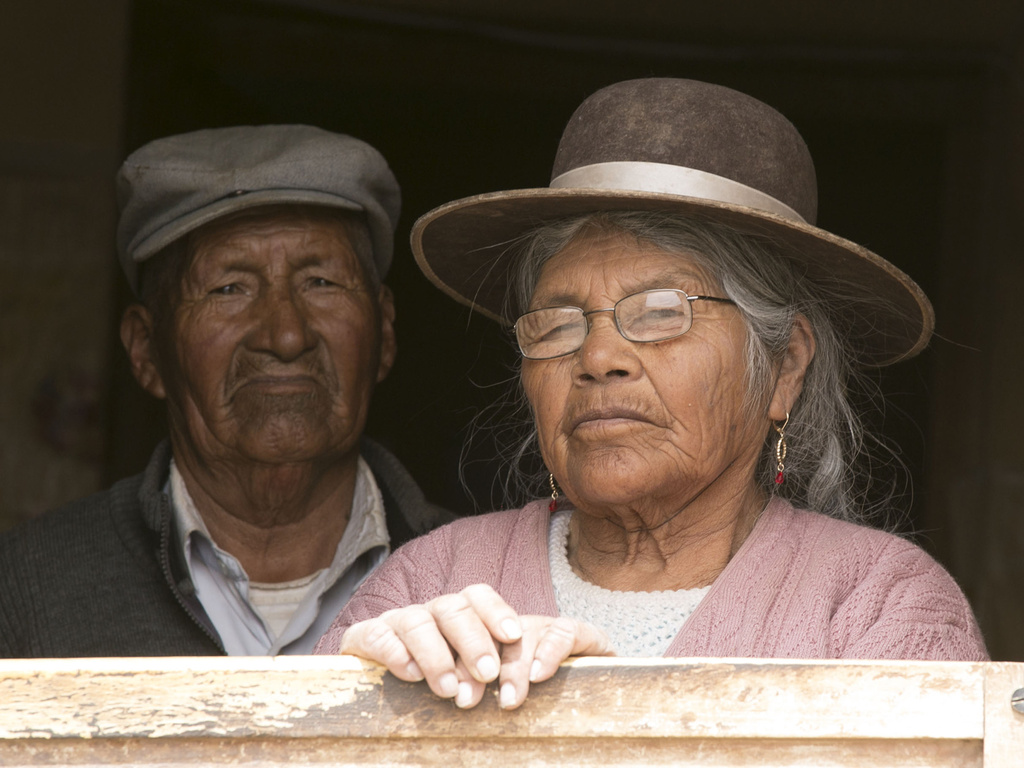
[
  {"x": 637, "y": 623},
  {"x": 277, "y": 603}
]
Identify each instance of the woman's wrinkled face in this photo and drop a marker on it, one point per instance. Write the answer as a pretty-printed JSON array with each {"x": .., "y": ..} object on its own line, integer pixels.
[{"x": 620, "y": 421}]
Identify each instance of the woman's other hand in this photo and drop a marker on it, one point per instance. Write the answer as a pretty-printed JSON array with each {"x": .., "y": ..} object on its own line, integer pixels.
[{"x": 458, "y": 643}]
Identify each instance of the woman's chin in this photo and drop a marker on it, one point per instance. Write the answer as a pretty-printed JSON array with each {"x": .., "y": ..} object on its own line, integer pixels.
[
  {"x": 608, "y": 489},
  {"x": 620, "y": 474}
]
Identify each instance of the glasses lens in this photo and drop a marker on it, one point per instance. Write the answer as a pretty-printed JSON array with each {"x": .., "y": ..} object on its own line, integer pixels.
[
  {"x": 654, "y": 315},
  {"x": 552, "y": 332}
]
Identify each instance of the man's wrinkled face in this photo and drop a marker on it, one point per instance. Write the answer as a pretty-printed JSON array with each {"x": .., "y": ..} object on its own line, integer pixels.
[{"x": 275, "y": 344}]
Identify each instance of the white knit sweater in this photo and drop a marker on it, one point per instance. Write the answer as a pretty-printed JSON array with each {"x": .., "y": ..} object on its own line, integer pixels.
[{"x": 637, "y": 623}]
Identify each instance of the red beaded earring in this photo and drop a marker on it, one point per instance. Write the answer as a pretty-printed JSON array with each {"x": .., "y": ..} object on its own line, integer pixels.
[{"x": 554, "y": 493}]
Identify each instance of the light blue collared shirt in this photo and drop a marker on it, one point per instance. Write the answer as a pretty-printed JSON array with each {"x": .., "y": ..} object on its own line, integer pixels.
[{"x": 223, "y": 587}]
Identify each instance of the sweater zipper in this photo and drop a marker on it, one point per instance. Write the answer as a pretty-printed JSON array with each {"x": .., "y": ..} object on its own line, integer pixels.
[{"x": 165, "y": 563}]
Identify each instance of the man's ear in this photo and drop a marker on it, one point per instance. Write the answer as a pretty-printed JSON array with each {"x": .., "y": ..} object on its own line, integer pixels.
[
  {"x": 388, "y": 345},
  {"x": 138, "y": 341},
  {"x": 794, "y": 366}
]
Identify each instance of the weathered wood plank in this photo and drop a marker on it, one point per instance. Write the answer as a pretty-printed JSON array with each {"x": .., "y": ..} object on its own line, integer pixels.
[
  {"x": 474, "y": 753},
  {"x": 1004, "y": 728},
  {"x": 651, "y": 712},
  {"x": 342, "y": 697}
]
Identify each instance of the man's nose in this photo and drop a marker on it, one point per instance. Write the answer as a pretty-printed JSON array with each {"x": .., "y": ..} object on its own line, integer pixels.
[{"x": 284, "y": 326}]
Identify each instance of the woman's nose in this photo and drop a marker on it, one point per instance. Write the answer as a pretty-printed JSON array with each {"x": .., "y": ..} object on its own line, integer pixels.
[{"x": 605, "y": 354}]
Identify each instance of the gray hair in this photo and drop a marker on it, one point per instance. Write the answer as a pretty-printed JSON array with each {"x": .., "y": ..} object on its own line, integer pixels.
[{"x": 831, "y": 460}]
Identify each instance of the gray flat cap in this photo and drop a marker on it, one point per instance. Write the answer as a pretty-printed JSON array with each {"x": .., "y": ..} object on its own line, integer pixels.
[{"x": 173, "y": 185}]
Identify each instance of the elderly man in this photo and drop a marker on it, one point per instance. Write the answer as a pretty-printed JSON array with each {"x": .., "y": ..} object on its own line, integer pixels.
[{"x": 257, "y": 254}]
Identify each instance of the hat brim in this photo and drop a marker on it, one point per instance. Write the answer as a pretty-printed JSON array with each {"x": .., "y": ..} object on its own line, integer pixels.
[
  {"x": 151, "y": 243},
  {"x": 464, "y": 248}
]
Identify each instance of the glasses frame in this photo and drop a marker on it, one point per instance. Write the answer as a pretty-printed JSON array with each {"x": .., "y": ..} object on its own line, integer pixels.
[{"x": 615, "y": 314}]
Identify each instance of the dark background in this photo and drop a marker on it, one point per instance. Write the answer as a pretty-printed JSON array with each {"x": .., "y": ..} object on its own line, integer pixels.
[{"x": 461, "y": 108}]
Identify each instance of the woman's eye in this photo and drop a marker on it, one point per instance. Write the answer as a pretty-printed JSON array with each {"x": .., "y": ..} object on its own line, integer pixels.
[
  {"x": 657, "y": 315},
  {"x": 320, "y": 282},
  {"x": 226, "y": 290},
  {"x": 556, "y": 332},
  {"x": 658, "y": 318}
]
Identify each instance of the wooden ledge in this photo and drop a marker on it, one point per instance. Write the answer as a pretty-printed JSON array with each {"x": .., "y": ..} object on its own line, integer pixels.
[{"x": 341, "y": 711}]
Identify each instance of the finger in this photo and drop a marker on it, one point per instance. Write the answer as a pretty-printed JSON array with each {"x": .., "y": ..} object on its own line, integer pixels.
[
  {"x": 470, "y": 691},
  {"x": 514, "y": 680},
  {"x": 518, "y": 659},
  {"x": 376, "y": 640},
  {"x": 545, "y": 644},
  {"x": 564, "y": 638},
  {"x": 497, "y": 615},
  {"x": 458, "y": 622},
  {"x": 422, "y": 638}
]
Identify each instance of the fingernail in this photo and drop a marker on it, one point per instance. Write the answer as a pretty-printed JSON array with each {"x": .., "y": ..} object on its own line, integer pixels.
[
  {"x": 413, "y": 670},
  {"x": 507, "y": 697},
  {"x": 535, "y": 670},
  {"x": 449, "y": 684},
  {"x": 511, "y": 629},
  {"x": 487, "y": 668},
  {"x": 465, "y": 695}
]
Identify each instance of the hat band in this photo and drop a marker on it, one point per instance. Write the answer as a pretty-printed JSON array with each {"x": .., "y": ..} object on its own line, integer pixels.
[{"x": 667, "y": 179}]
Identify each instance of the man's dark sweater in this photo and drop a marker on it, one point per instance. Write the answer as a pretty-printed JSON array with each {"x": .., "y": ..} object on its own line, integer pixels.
[{"x": 101, "y": 577}]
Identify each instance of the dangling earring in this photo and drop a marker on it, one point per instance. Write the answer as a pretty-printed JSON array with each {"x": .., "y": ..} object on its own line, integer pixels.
[
  {"x": 554, "y": 493},
  {"x": 780, "y": 450}
]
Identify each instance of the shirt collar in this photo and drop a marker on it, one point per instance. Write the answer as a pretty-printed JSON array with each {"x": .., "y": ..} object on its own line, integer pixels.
[{"x": 367, "y": 527}]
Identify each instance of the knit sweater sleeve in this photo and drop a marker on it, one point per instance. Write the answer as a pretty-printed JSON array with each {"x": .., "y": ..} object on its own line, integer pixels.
[
  {"x": 807, "y": 586},
  {"x": 906, "y": 607}
]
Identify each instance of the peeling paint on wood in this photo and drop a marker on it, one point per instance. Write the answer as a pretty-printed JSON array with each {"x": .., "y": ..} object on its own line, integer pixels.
[{"x": 650, "y": 712}]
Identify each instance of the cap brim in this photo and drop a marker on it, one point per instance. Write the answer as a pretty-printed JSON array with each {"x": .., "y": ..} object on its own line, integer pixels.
[
  {"x": 464, "y": 248},
  {"x": 170, "y": 232}
]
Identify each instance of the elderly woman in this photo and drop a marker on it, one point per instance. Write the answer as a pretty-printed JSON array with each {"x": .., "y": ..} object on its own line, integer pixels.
[{"x": 688, "y": 336}]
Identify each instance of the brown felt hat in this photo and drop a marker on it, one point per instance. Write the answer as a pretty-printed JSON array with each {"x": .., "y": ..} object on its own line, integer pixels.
[{"x": 683, "y": 147}]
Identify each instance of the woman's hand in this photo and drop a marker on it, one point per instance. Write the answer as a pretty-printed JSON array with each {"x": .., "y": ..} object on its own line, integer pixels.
[{"x": 461, "y": 642}]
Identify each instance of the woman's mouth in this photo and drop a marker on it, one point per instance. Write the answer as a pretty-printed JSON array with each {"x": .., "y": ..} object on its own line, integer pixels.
[{"x": 606, "y": 418}]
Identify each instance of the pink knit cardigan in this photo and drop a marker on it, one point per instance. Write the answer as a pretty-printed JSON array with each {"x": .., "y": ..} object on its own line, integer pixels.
[{"x": 803, "y": 585}]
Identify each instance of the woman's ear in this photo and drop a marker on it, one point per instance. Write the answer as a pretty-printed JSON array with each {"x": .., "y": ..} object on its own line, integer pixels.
[
  {"x": 138, "y": 341},
  {"x": 797, "y": 359}
]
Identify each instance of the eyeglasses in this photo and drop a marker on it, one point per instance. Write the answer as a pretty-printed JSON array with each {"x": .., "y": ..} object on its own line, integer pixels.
[{"x": 655, "y": 315}]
